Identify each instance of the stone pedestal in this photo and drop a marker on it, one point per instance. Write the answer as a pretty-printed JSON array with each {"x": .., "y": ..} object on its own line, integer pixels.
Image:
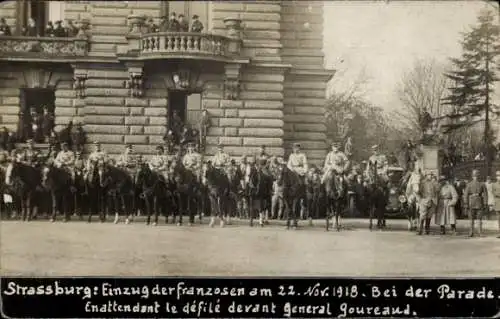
[{"x": 430, "y": 160}]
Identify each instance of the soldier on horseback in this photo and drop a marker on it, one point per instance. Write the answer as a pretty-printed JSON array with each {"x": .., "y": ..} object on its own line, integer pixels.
[
  {"x": 192, "y": 160},
  {"x": 159, "y": 162},
  {"x": 97, "y": 155},
  {"x": 221, "y": 158},
  {"x": 66, "y": 159},
  {"x": 29, "y": 156},
  {"x": 297, "y": 162},
  {"x": 128, "y": 160},
  {"x": 336, "y": 162},
  {"x": 380, "y": 162}
]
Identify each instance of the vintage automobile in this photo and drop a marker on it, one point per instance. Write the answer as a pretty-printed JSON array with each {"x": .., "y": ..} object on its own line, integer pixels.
[{"x": 396, "y": 201}]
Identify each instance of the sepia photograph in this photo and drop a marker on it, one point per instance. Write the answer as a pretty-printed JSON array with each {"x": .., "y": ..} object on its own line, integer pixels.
[{"x": 250, "y": 138}]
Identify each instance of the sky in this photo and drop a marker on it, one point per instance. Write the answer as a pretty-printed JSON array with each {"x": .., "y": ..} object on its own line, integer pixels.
[{"x": 378, "y": 41}]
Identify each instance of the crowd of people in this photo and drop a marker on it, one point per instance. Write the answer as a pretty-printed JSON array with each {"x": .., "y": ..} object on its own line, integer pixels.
[
  {"x": 58, "y": 29},
  {"x": 175, "y": 23}
]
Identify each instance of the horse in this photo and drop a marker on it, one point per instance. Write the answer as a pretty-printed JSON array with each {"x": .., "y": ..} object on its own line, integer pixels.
[
  {"x": 413, "y": 187},
  {"x": 80, "y": 195},
  {"x": 94, "y": 192},
  {"x": 219, "y": 187},
  {"x": 376, "y": 196},
  {"x": 265, "y": 191},
  {"x": 234, "y": 176},
  {"x": 186, "y": 191},
  {"x": 120, "y": 190},
  {"x": 336, "y": 196},
  {"x": 24, "y": 181},
  {"x": 314, "y": 195},
  {"x": 294, "y": 191},
  {"x": 153, "y": 191},
  {"x": 59, "y": 183}
]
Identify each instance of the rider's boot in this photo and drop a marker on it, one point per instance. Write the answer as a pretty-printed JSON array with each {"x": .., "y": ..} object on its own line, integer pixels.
[
  {"x": 421, "y": 227},
  {"x": 427, "y": 226}
]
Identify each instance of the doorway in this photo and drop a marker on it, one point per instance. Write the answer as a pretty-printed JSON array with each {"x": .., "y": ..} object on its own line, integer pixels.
[
  {"x": 186, "y": 104},
  {"x": 35, "y": 105}
]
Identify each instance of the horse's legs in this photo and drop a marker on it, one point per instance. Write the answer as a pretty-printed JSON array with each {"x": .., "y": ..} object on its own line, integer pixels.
[
  {"x": 155, "y": 209},
  {"x": 251, "y": 210},
  {"x": 147, "y": 206},
  {"x": 113, "y": 201},
  {"x": 54, "y": 206}
]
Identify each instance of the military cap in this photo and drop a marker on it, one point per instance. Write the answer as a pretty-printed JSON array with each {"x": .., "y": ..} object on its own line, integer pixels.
[
  {"x": 336, "y": 144},
  {"x": 97, "y": 143},
  {"x": 296, "y": 144},
  {"x": 181, "y": 15},
  {"x": 374, "y": 147},
  {"x": 195, "y": 16},
  {"x": 233, "y": 162},
  {"x": 64, "y": 143},
  {"x": 442, "y": 178},
  {"x": 128, "y": 145},
  {"x": 190, "y": 144},
  {"x": 160, "y": 148},
  {"x": 150, "y": 19},
  {"x": 29, "y": 141}
]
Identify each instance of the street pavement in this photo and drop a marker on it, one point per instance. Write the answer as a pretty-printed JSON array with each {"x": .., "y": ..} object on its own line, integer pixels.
[{"x": 40, "y": 248}]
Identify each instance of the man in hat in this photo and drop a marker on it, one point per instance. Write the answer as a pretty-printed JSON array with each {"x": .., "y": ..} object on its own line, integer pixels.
[
  {"x": 221, "y": 158},
  {"x": 66, "y": 159},
  {"x": 183, "y": 24},
  {"x": 30, "y": 153},
  {"x": 196, "y": 25},
  {"x": 336, "y": 162},
  {"x": 495, "y": 207},
  {"x": 475, "y": 200},
  {"x": 151, "y": 26},
  {"x": 163, "y": 27},
  {"x": 97, "y": 155},
  {"x": 192, "y": 160},
  {"x": 297, "y": 161},
  {"x": 158, "y": 162},
  {"x": 428, "y": 203},
  {"x": 4, "y": 28},
  {"x": 128, "y": 160},
  {"x": 448, "y": 198},
  {"x": 379, "y": 161},
  {"x": 70, "y": 29},
  {"x": 59, "y": 30},
  {"x": 173, "y": 24}
]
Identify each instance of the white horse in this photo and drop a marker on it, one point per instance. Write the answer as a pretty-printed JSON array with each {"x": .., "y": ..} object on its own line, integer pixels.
[{"x": 413, "y": 198}]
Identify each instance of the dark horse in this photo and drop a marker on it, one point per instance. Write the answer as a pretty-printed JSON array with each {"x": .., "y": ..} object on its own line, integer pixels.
[
  {"x": 153, "y": 191},
  {"x": 24, "y": 181},
  {"x": 120, "y": 190},
  {"x": 218, "y": 186},
  {"x": 377, "y": 196},
  {"x": 234, "y": 176},
  {"x": 294, "y": 191},
  {"x": 94, "y": 192},
  {"x": 186, "y": 191},
  {"x": 336, "y": 196},
  {"x": 59, "y": 183}
]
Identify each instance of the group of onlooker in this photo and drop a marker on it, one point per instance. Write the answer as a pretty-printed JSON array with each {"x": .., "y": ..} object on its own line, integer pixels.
[
  {"x": 175, "y": 24},
  {"x": 58, "y": 29}
]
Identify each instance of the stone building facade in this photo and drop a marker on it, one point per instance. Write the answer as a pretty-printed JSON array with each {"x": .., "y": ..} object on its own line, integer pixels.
[{"x": 258, "y": 67}]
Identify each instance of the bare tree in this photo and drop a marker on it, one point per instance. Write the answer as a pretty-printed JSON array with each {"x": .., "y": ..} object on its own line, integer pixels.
[{"x": 420, "y": 92}]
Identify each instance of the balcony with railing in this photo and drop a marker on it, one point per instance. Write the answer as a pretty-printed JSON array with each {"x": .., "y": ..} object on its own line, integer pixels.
[
  {"x": 182, "y": 45},
  {"x": 49, "y": 48}
]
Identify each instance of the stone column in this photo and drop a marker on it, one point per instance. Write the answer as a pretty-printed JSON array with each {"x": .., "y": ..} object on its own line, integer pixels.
[
  {"x": 232, "y": 81},
  {"x": 136, "y": 23},
  {"x": 234, "y": 33}
]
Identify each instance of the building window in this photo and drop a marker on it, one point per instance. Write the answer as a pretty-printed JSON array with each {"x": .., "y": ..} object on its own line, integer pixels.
[
  {"x": 56, "y": 10},
  {"x": 35, "y": 10}
]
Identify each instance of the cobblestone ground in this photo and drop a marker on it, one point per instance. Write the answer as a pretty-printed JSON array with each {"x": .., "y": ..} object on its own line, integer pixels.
[{"x": 77, "y": 248}]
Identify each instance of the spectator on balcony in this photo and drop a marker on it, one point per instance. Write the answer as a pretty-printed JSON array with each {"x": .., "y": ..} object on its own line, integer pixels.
[
  {"x": 4, "y": 27},
  {"x": 71, "y": 30},
  {"x": 30, "y": 30},
  {"x": 49, "y": 29},
  {"x": 183, "y": 24},
  {"x": 59, "y": 30},
  {"x": 163, "y": 24},
  {"x": 151, "y": 26},
  {"x": 196, "y": 26},
  {"x": 173, "y": 24}
]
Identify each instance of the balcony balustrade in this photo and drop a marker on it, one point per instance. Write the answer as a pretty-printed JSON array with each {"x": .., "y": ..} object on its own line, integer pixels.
[
  {"x": 184, "y": 44},
  {"x": 42, "y": 47}
]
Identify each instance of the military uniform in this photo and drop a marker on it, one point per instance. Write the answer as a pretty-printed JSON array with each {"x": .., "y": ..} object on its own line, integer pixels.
[
  {"x": 96, "y": 157},
  {"x": 66, "y": 160},
  {"x": 29, "y": 156},
  {"x": 428, "y": 203},
  {"x": 221, "y": 159},
  {"x": 192, "y": 161},
  {"x": 448, "y": 198},
  {"x": 335, "y": 162},
  {"x": 196, "y": 26},
  {"x": 297, "y": 162},
  {"x": 381, "y": 163},
  {"x": 129, "y": 162},
  {"x": 475, "y": 200},
  {"x": 159, "y": 163}
]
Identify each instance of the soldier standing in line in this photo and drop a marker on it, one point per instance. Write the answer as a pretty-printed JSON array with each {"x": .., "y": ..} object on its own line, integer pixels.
[
  {"x": 66, "y": 159},
  {"x": 196, "y": 25},
  {"x": 183, "y": 24},
  {"x": 448, "y": 198},
  {"x": 475, "y": 200},
  {"x": 428, "y": 203},
  {"x": 221, "y": 158}
]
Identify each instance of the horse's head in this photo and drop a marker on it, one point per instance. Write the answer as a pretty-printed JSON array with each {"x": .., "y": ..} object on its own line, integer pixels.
[{"x": 144, "y": 173}]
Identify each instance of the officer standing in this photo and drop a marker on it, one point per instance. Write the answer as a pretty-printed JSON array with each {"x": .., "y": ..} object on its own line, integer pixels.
[
  {"x": 221, "y": 159},
  {"x": 428, "y": 203},
  {"x": 66, "y": 159},
  {"x": 475, "y": 200},
  {"x": 196, "y": 25},
  {"x": 297, "y": 161},
  {"x": 336, "y": 162},
  {"x": 192, "y": 160}
]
